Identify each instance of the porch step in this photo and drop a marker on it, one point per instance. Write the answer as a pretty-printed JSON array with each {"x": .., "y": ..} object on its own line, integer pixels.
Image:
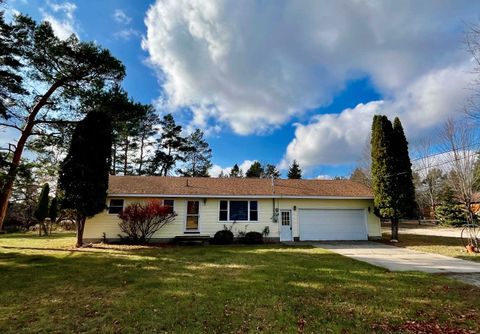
[{"x": 191, "y": 240}]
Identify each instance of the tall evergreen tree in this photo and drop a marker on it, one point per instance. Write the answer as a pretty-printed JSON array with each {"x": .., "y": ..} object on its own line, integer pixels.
[
  {"x": 170, "y": 147},
  {"x": 55, "y": 73},
  {"x": 236, "y": 171},
  {"x": 198, "y": 155},
  {"x": 126, "y": 131},
  {"x": 404, "y": 178},
  {"x": 391, "y": 173},
  {"x": 84, "y": 172},
  {"x": 147, "y": 130},
  {"x": 294, "y": 172},
  {"x": 41, "y": 212},
  {"x": 11, "y": 80},
  {"x": 53, "y": 210},
  {"x": 271, "y": 171},
  {"x": 255, "y": 171}
]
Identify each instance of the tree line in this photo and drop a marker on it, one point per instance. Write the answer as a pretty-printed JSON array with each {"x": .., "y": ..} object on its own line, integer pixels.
[
  {"x": 47, "y": 85},
  {"x": 442, "y": 186},
  {"x": 267, "y": 171}
]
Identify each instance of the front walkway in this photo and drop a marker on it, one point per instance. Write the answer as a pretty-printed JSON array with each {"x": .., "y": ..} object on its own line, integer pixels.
[{"x": 399, "y": 259}]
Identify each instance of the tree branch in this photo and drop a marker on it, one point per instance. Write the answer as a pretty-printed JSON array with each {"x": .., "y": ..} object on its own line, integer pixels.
[{"x": 11, "y": 126}]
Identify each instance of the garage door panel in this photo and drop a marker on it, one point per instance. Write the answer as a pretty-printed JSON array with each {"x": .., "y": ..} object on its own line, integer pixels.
[{"x": 332, "y": 224}]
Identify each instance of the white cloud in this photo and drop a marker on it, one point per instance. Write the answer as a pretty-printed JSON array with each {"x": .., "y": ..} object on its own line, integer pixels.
[
  {"x": 324, "y": 177},
  {"x": 254, "y": 64},
  {"x": 63, "y": 20},
  {"x": 422, "y": 106},
  {"x": 127, "y": 34},
  {"x": 216, "y": 169},
  {"x": 121, "y": 17}
]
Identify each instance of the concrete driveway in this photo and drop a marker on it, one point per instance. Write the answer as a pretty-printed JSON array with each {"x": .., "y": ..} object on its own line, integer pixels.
[{"x": 399, "y": 259}]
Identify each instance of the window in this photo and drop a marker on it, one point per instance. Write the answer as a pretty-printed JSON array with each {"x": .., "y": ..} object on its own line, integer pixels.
[
  {"x": 238, "y": 211},
  {"x": 223, "y": 210},
  {"x": 192, "y": 215},
  {"x": 254, "y": 210},
  {"x": 170, "y": 203},
  {"x": 116, "y": 206}
]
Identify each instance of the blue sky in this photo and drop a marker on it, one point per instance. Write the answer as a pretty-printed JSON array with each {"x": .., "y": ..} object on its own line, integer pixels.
[{"x": 279, "y": 80}]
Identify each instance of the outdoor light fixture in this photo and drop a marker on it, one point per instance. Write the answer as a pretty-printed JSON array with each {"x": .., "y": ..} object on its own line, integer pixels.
[{"x": 294, "y": 208}]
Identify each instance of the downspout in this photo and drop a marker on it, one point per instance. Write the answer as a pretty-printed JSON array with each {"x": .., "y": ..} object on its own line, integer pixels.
[{"x": 274, "y": 213}]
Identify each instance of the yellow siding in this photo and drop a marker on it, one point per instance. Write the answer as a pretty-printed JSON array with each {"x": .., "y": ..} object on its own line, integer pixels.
[{"x": 209, "y": 223}]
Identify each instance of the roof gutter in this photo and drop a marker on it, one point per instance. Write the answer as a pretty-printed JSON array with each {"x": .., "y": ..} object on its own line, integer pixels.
[{"x": 236, "y": 196}]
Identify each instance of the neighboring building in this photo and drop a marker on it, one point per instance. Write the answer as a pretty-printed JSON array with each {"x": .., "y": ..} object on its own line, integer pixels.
[{"x": 292, "y": 209}]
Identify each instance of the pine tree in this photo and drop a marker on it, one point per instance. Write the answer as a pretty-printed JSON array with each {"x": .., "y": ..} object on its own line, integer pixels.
[
  {"x": 404, "y": 179},
  {"x": 170, "y": 147},
  {"x": 53, "y": 211},
  {"x": 84, "y": 172},
  {"x": 255, "y": 170},
  {"x": 198, "y": 155},
  {"x": 41, "y": 212},
  {"x": 271, "y": 171},
  {"x": 294, "y": 172},
  {"x": 147, "y": 130},
  {"x": 55, "y": 74},
  {"x": 11, "y": 80},
  {"x": 236, "y": 171}
]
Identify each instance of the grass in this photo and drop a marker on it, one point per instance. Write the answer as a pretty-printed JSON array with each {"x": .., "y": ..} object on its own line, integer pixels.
[
  {"x": 49, "y": 287},
  {"x": 448, "y": 246}
]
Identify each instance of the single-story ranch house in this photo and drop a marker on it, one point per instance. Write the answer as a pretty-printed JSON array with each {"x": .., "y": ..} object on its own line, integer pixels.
[{"x": 292, "y": 209}]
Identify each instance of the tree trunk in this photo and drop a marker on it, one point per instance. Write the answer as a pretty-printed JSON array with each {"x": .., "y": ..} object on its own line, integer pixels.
[
  {"x": 114, "y": 159},
  {"x": 140, "y": 162},
  {"x": 80, "y": 224},
  {"x": 45, "y": 228},
  {"x": 125, "y": 158},
  {"x": 394, "y": 224},
  {"x": 17, "y": 154}
]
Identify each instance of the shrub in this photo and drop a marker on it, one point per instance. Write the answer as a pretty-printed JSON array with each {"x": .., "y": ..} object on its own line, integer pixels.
[
  {"x": 450, "y": 214},
  {"x": 252, "y": 238},
  {"x": 140, "y": 221},
  {"x": 223, "y": 237}
]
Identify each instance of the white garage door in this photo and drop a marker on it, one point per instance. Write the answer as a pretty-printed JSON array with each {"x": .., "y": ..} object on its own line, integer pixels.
[{"x": 337, "y": 224}]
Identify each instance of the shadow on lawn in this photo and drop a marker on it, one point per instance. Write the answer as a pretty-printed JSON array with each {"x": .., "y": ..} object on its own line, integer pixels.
[
  {"x": 270, "y": 288},
  {"x": 424, "y": 240}
]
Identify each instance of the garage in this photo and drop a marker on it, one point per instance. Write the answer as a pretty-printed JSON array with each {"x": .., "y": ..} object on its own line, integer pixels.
[{"x": 332, "y": 224}]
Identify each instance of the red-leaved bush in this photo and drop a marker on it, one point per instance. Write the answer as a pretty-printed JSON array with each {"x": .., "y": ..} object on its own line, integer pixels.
[{"x": 140, "y": 221}]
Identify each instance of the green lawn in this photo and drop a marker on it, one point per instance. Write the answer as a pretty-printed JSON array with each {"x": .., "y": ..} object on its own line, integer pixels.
[
  {"x": 448, "y": 246},
  {"x": 49, "y": 287}
]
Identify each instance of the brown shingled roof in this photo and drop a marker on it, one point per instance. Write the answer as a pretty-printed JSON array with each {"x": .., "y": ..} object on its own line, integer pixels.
[{"x": 204, "y": 186}]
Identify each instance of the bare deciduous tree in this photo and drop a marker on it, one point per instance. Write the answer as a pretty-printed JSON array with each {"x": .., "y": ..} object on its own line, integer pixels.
[
  {"x": 430, "y": 176},
  {"x": 460, "y": 139}
]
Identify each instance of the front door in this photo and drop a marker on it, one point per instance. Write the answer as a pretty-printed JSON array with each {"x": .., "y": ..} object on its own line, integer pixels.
[{"x": 286, "y": 227}]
